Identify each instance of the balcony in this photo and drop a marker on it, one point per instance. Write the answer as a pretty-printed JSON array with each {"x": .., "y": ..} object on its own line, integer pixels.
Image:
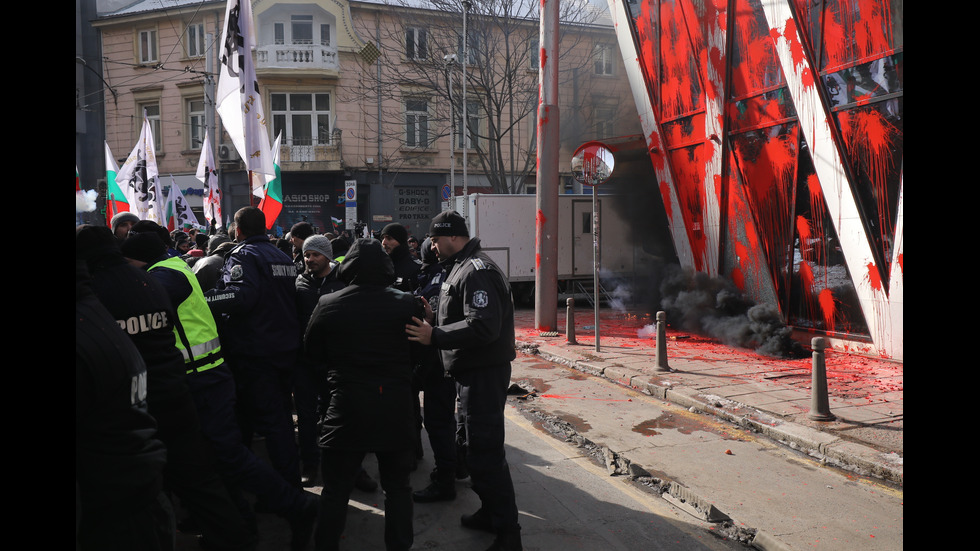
[
  {"x": 311, "y": 154},
  {"x": 308, "y": 58}
]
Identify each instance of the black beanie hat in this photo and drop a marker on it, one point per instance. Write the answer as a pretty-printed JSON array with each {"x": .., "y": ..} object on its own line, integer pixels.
[
  {"x": 94, "y": 242},
  {"x": 145, "y": 242},
  {"x": 301, "y": 230},
  {"x": 448, "y": 223},
  {"x": 396, "y": 232}
]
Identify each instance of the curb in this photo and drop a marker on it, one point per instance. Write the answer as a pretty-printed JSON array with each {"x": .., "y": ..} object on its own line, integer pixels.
[{"x": 829, "y": 449}]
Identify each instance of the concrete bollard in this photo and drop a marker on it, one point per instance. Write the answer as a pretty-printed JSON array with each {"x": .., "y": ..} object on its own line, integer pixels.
[
  {"x": 819, "y": 401},
  {"x": 661, "y": 364},
  {"x": 570, "y": 320}
]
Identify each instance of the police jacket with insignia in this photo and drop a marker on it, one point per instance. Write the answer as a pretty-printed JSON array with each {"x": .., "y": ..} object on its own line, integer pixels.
[
  {"x": 144, "y": 311},
  {"x": 254, "y": 302},
  {"x": 118, "y": 458},
  {"x": 475, "y": 320}
]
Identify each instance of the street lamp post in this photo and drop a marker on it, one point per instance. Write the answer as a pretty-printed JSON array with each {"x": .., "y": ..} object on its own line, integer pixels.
[
  {"x": 450, "y": 60},
  {"x": 467, "y": 4}
]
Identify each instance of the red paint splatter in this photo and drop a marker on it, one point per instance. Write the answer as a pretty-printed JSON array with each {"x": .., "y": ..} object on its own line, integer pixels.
[
  {"x": 828, "y": 306},
  {"x": 874, "y": 278}
]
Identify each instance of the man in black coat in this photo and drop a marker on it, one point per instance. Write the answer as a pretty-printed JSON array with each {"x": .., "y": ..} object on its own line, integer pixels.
[
  {"x": 356, "y": 337},
  {"x": 394, "y": 239}
]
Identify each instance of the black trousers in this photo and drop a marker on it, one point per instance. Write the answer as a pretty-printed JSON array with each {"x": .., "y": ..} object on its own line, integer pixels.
[
  {"x": 339, "y": 468},
  {"x": 439, "y": 417},
  {"x": 482, "y": 397}
]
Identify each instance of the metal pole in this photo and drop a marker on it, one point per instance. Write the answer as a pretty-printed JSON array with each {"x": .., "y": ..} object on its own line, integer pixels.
[
  {"x": 452, "y": 117},
  {"x": 210, "y": 118},
  {"x": 546, "y": 196},
  {"x": 819, "y": 401},
  {"x": 464, "y": 111},
  {"x": 661, "y": 362},
  {"x": 595, "y": 258},
  {"x": 570, "y": 320}
]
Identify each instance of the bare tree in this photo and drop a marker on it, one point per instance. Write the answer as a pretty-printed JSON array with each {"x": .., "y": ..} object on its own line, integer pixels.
[{"x": 419, "y": 80}]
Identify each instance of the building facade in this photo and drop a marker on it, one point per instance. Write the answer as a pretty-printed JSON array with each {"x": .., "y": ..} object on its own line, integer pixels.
[{"x": 362, "y": 91}]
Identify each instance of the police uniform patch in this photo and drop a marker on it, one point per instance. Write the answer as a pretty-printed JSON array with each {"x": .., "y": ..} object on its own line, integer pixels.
[
  {"x": 480, "y": 299},
  {"x": 237, "y": 272},
  {"x": 478, "y": 264}
]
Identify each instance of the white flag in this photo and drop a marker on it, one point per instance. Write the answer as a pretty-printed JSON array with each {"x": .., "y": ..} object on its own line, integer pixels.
[
  {"x": 238, "y": 101},
  {"x": 140, "y": 180},
  {"x": 207, "y": 173},
  {"x": 179, "y": 214}
]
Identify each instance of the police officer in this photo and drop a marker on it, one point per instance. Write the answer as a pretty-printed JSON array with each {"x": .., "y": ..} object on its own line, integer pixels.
[
  {"x": 254, "y": 303},
  {"x": 213, "y": 387},
  {"x": 474, "y": 330},
  {"x": 142, "y": 306}
]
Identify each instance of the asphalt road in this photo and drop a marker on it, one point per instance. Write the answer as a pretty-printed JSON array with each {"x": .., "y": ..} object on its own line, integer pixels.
[{"x": 678, "y": 470}]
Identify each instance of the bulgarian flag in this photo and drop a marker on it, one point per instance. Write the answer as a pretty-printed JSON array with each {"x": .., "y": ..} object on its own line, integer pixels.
[
  {"x": 115, "y": 201},
  {"x": 271, "y": 203},
  {"x": 336, "y": 222}
]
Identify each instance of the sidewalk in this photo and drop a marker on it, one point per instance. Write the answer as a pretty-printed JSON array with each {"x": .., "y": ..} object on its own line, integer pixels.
[{"x": 769, "y": 395}]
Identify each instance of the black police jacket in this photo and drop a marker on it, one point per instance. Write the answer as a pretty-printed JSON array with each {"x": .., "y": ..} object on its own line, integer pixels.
[{"x": 475, "y": 322}]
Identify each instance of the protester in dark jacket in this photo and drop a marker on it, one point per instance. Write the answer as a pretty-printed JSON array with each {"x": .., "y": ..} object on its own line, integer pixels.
[
  {"x": 356, "y": 337},
  {"x": 394, "y": 239}
]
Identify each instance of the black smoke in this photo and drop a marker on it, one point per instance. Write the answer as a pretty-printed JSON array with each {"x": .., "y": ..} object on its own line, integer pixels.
[
  {"x": 713, "y": 306},
  {"x": 693, "y": 301}
]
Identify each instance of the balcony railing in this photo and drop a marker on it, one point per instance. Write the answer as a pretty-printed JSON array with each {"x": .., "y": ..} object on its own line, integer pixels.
[{"x": 296, "y": 56}]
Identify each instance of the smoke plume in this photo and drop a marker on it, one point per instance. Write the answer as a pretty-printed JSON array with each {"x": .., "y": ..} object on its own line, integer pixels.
[{"x": 713, "y": 306}]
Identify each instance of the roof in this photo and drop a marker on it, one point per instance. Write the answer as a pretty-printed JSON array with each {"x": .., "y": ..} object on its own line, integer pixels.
[{"x": 595, "y": 12}]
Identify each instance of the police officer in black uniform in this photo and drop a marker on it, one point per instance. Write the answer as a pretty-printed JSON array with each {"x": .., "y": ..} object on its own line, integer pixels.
[{"x": 474, "y": 330}]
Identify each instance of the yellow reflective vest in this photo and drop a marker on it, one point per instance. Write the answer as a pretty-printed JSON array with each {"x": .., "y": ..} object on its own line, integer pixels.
[{"x": 195, "y": 330}]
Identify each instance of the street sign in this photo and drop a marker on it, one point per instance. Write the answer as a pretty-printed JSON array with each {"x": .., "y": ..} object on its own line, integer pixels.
[{"x": 350, "y": 196}]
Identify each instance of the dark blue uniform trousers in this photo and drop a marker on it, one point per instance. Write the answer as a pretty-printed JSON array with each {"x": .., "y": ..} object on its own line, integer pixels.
[{"x": 482, "y": 397}]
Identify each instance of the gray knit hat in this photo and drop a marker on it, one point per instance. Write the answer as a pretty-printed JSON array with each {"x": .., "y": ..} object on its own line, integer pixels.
[
  {"x": 123, "y": 217},
  {"x": 320, "y": 244}
]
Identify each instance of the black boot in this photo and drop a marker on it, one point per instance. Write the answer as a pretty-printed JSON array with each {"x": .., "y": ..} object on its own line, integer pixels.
[
  {"x": 507, "y": 540},
  {"x": 439, "y": 490},
  {"x": 479, "y": 520}
]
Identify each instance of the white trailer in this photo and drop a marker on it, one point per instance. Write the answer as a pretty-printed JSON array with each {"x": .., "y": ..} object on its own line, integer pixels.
[{"x": 505, "y": 225}]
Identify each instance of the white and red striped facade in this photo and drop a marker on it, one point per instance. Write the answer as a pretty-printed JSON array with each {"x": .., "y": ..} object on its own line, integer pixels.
[{"x": 776, "y": 129}]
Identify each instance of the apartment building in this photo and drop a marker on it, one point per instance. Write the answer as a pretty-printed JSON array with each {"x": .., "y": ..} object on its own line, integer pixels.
[{"x": 370, "y": 92}]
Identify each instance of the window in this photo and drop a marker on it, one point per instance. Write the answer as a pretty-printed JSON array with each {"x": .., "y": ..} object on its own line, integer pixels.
[
  {"x": 195, "y": 122},
  {"x": 324, "y": 34},
  {"x": 147, "y": 45},
  {"x": 416, "y": 43},
  {"x": 152, "y": 111},
  {"x": 196, "y": 46},
  {"x": 604, "y": 59},
  {"x": 473, "y": 126},
  {"x": 279, "y": 31},
  {"x": 604, "y": 117},
  {"x": 472, "y": 45},
  {"x": 303, "y": 118},
  {"x": 302, "y": 29},
  {"x": 534, "y": 54},
  {"x": 417, "y": 123}
]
